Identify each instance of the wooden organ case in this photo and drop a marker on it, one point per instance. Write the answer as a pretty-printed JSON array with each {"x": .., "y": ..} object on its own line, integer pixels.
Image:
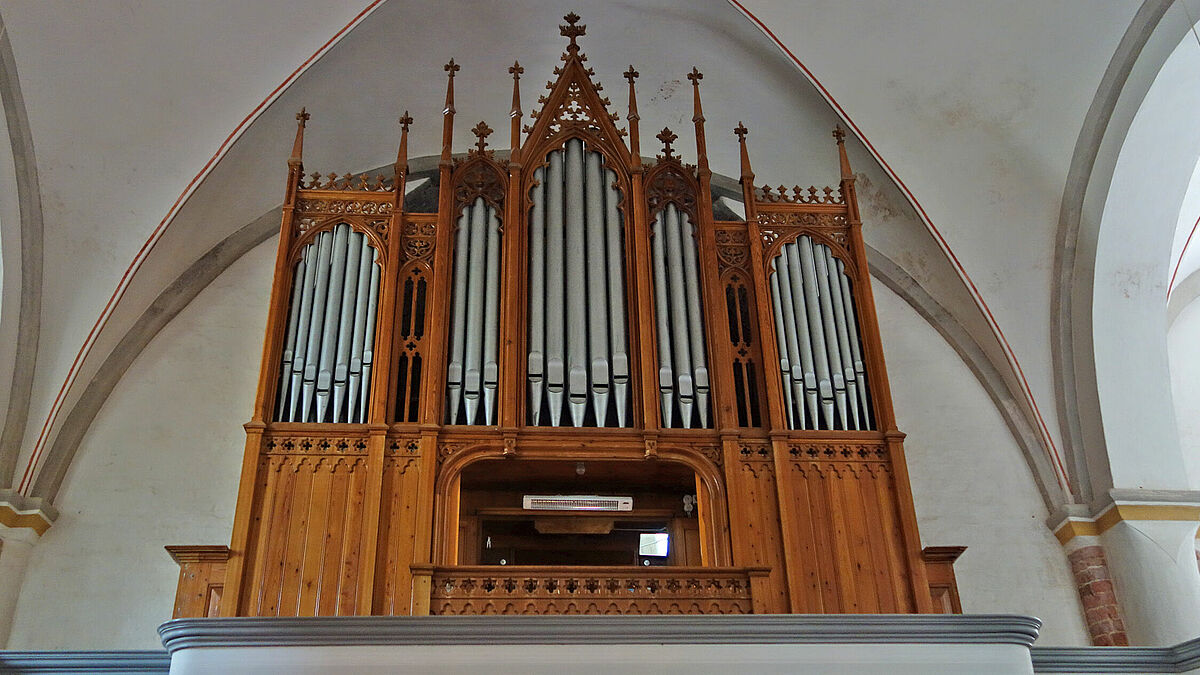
[{"x": 575, "y": 323}]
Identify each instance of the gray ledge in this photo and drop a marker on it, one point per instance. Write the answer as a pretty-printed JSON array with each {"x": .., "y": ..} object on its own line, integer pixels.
[
  {"x": 1181, "y": 658},
  {"x": 85, "y": 662},
  {"x": 699, "y": 629}
]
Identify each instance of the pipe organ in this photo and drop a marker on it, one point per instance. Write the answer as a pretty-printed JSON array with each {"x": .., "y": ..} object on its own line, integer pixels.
[{"x": 575, "y": 322}]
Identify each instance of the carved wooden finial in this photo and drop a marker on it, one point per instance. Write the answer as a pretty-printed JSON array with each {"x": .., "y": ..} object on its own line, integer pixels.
[
  {"x": 747, "y": 175},
  {"x": 667, "y": 137},
  {"x": 452, "y": 68},
  {"x": 481, "y": 131},
  {"x": 695, "y": 76},
  {"x": 631, "y": 74},
  {"x": 572, "y": 30},
  {"x": 302, "y": 118},
  {"x": 516, "y": 70},
  {"x": 840, "y": 135},
  {"x": 405, "y": 121}
]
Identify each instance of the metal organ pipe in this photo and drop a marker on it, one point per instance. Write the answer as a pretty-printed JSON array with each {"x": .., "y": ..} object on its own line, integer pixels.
[
  {"x": 785, "y": 362},
  {"x": 537, "y": 295},
  {"x": 341, "y": 367},
  {"x": 325, "y": 371},
  {"x": 555, "y": 339},
  {"x": 616, "y": 293},
  {"x": 860, "y": 370},
  {"x": 458, "y": 317},
  {"x": 578, "y": 345},
  {"x": 814, "y": 320},
  {"x": 577, "y": 376},
  {"x": 357, "y": 410},
  {"x": 597, "y": 286},
  {"x": 313, "y": 352},
  {"x": 666, "y": 387},
  {"x": 680, "y": 323},
  {"x": 287, "y": 390}
]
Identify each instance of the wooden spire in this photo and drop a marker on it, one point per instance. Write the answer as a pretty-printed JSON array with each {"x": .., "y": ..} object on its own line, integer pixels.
[
  {"x": 401, "y": 166},
  {"x": 298, "y": 146},
  {"x": 448, "y": 110},
  {"x": 747, "y": 174},
  {"x": 515, "y": 114},
  {"x": 840, "y": 135},
  {"x": 698, "y": 118},
  {"x": 633, "y": 117}
]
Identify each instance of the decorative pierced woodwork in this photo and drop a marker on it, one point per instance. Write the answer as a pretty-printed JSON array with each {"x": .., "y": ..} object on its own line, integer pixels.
[
  {"x": 593, "y": 590},
  {"x": 571, "y": 306}
]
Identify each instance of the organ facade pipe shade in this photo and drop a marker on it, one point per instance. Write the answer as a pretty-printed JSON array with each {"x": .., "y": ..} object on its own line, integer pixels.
[
  {"x": 578, "y": 362},
  {"x": 472, "y": 376},
  {"x": 820, "y": 349},
  {"x": 683, "y": 363},
  {"x": 325, "y": 373}
]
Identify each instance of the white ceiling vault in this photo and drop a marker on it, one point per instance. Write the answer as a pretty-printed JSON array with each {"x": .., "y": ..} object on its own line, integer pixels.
[{"x": 159, "y": 134}]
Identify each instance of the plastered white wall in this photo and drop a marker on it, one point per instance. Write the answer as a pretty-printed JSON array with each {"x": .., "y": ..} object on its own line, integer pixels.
[
  {"x": 970, "y": 483},
  {"x": 159, "y": 466},
  {"x": 1183, "y": 337}
]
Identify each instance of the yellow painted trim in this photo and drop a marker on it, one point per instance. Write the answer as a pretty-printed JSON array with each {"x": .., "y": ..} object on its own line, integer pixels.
[
  {"x": 1125, "y": 512},
  {"x": 10, "y": 517},
  {"x": 1075, "y": 528}
]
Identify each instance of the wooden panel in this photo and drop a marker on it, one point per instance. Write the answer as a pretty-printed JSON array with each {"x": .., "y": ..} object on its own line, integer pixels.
[
  {"x": 754, "y": 517},
  {"x": 308, "y": 529},
  {"x": 943, "y": 587},
  {"x": 397, "y": 529},
  {"x": 201, "y": 580},
  {"x": 846, "y": 553}
]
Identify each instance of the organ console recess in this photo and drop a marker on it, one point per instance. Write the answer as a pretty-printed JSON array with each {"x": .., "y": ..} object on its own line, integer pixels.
[{"x": 572, "y": 383}]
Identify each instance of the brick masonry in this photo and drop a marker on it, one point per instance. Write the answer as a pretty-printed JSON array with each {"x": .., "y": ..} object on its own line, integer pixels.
[{"x": 1100, "y": 608}]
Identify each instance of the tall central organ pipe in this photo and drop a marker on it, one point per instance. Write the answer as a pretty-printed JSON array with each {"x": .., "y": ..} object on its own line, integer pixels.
[{"x": 578, "y": 362}]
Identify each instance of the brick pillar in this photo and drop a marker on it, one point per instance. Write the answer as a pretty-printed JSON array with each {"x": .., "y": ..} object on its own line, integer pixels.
[{"x": 1101, "y": 610}]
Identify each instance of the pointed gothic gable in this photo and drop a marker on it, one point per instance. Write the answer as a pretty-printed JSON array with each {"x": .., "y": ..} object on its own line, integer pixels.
[{"x": 574, "y": 102}]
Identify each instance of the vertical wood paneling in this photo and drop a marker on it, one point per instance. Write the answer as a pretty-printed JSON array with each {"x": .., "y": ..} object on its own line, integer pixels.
[
  {"x": 274, "y": 541},
  {"x": 857, "y": 532},
  {"x": 289, "y": 592},
  {"x": 256, "y": 562},
  {"x": 877, "y": 540},
  {"x": 335, "y": 533},
  {"x": 397, "y": 532},
  {"x": 754, "y": 522},
  {"x": 352, "y": 541},
  {"x": 314, "y": 543},
  {"x": 895, "y": 549}
]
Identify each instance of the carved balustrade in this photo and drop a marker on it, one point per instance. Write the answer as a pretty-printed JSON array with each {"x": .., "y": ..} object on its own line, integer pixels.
[{"x": 592, "y": 590}]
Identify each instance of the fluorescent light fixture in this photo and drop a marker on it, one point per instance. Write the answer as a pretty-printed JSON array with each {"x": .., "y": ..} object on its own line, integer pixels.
[{"x": 576, "y": 503}]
